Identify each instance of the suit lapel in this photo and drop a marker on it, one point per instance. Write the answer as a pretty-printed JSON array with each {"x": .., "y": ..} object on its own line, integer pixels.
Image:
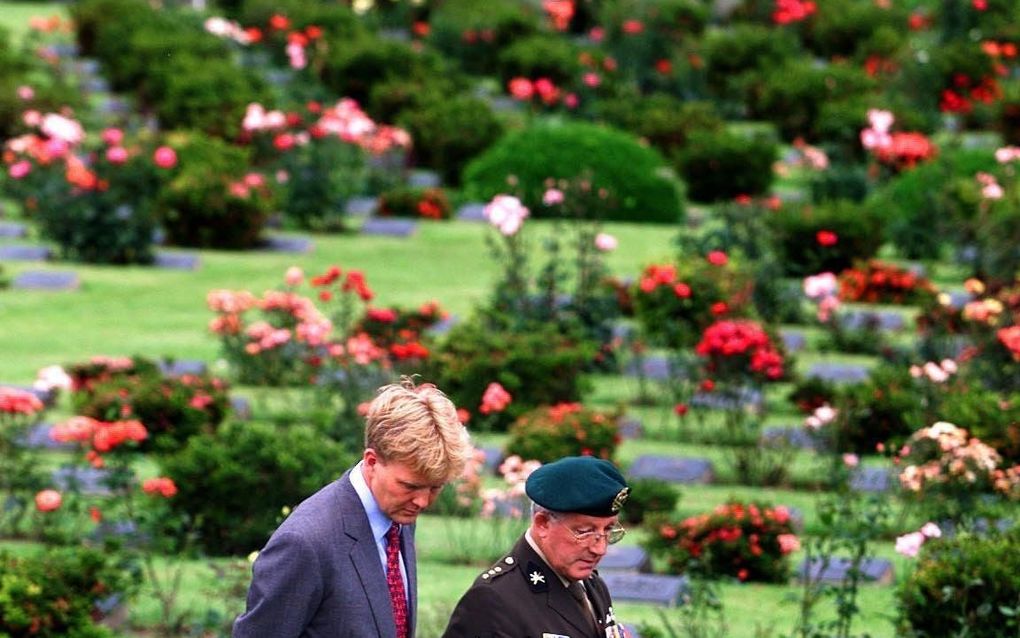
[
  {"x": 365, "y": 557},
  {"x": 410, "y": 563},
  {"x": 557, "y": 596}
]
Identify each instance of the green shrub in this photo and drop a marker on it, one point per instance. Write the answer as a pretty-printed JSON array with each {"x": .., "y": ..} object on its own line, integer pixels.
[
  {"x": 335, "y": 19},
  {"x": 614, "y": 159},
  {"x": 236, "y": 481},
  {"x": 321, "y": 175},
  {"x": 54, "y": 593},
  {"x": 171, "y": 409},
  {"x": 197, "y": 208},
  {"x": 539, "y": 56},
  {"x": 475, "y": 33},
  {"x": 720, "y": 166},
  {"x": 796, "y": 228},
  {"x": 102, "y": 24},
  {"x": 414, "y": 202},
  {"x": 666, "y": 122},
  {"x": 967, "y": 584},
  {"x": 361, "y": 62},
  {"x": 845, "y": 27},
  {"x": 438, "y": 129},
  {"x": 884, "y": 409},
  {"x": 990, "y": 416},
  {"x": 538, "y": 367},
  {"x": 649, "y": 499},
  {"x": 732, "y": 53},
  {"x": 549, "y": 433}
]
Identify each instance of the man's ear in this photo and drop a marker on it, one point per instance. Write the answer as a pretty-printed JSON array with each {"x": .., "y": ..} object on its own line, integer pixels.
[{"x": 540, "y": 522}]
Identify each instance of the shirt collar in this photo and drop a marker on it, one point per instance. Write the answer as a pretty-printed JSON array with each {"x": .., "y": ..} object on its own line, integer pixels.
[{"x": 377, "y": 520}]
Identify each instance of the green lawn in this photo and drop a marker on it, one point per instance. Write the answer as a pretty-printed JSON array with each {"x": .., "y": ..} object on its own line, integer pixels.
[{"x": 14, "y": 16}]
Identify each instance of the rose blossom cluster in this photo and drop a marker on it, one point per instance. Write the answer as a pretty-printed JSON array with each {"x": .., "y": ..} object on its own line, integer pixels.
[
  {"x": 511, "y": 498},
  {"x": 910, "y": 544},
  {"x": 507, "y": 214},
  {"x": 99, "y": 437},
  {"x": 823, "y": 289},
  {"x": 945, "y": 456},
  {"x": 744, "y": 341},
  {"x": 899, "y": 149},
  {"x": 494, "y": 399},
  {"x": 17, "y": 404},
  {"x": 935, "y": 372}
]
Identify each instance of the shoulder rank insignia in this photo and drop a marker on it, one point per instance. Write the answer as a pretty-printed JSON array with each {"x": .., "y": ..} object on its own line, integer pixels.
[{"x": 502, "y": 566}]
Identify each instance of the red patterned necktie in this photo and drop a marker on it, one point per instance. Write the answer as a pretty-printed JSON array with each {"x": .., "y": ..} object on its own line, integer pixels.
[{"x": 394, "y": 580}]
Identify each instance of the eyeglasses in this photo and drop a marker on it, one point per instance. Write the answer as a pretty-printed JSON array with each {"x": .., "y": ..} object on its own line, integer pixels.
[{"x": 612, "y": 535}]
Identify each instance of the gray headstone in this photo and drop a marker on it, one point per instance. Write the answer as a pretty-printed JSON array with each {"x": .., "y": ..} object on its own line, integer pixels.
[
  {"x": 959, "y": 298},
  {"x": 53, "y": 280},
  {"x": 397, "y": 35},
  {"x": 837, "y": 569},
  {"x": 493, "y": 458},
  {"x": 473, "y": 212},
  {"x": 625, "y": 558},
  {"x": 87, "y": 66},
  {"x": 623, "y": 331},
  {"x": 871, "y": 479},
  {"x": 443, "y": 326},
  {"x": 48, "y": 397},
  {"x": 630, "y": 427},
  {"x": 17, "y": 252},
  {"x": 241, "y": 408},
  {"x": 38, "y": 437},
  {"x": 181, "y": 367},
  {"x": 361, "y": 207},
  {"x": 288, "y": 244},
  {"x": 673, "y": 469},
  {"x": 87, "y": 480},
  {"x": 122, "y": 531},
  {"x": 111, "y": 105},
  {"x": 278, "y": 77},
  {"x": 793, "y": 340},
  {"x": 746, "y": 398},
  {"x": 424, "y": 179},
  {"x": 651, "y": 367},
  {"x": 798, "y": 437},
  {"x": 389, "y": 227},
  {"x": 872, "y": 319},
  {"x": 13, "y": 230},
  {"x": 504, "y": 104},
  {"x": 916, "y": 268},
  {"x": 95, "y": 85},
  {"x": 177, "y": 260},
  {"x": 981, "y": 526},
  {"x": 64, "y": 49},
  {"x": 645, "y": 588},
  {"x": 838, "y": 372}
]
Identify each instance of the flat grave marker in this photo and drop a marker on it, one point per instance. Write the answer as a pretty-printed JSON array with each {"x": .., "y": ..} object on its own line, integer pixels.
[
  {"x": 174, "y": 260},
  {"x": 871, "y": 479},
  {"x": 792, "y": 435},
  {"x": 746, "y": 398},
  {"x": 38, "y": 437},
  {"x": 424, "y": 179},
  {"x": 389, "y": 227},
  {"x": 877, "y": 570},
  {"x": 241, "y": 407},
  {"x": 839, "y": 372},
  {"x": 48, "y": 397},
  {"x": 793, "y": 340},
  {"x": 360, "y": 207},
  {"x": 181, "y": 367},
  {"x": 672, "y": 468},
  {"x": 22, "y": 252},
  {"x": 47, "y": 280},
  {"x": 645, "y": 588},
  {"x": 13, "y": 230},
  {"x": 472, "y": 212},
  {"x": 625, "y": 558},
  {"x": 493, "y": 459},
  {"x": 872, "y": 319},
  {"x": 88, "y": 480},
  {"x": 630, "y": 427},
  {"x": 443, "y": 326},
  {"x": 651, "y": 367},
  {"x": 288, "y": 244}
]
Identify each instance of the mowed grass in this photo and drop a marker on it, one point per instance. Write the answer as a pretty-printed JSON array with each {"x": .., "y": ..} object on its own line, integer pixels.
[
  {"x": 157, "y": 313},
  {"x": 15, "y": 16}
]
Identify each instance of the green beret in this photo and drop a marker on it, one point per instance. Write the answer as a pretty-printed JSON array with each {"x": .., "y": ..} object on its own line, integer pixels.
[{"x": 580, "y": 485}]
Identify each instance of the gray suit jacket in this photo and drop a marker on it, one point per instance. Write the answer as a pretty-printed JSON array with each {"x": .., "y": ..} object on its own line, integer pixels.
[{"x": 320, "y": 574}]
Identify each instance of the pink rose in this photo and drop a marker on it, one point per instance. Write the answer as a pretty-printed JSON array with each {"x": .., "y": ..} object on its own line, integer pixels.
[
  {"x": 112, "y": 136},
  {"x": 605, "y": 242},
  {"x": 48, "y": 500},
  {"x": 909, "y": 544},
  {"x": 116, "y": 154},
  {"x": 20, "y": 169},
  {"x": 165, "y": 157}
]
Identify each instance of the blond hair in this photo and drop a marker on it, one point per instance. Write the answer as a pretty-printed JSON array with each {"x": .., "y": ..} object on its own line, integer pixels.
[{"x": 418, "y": 426}]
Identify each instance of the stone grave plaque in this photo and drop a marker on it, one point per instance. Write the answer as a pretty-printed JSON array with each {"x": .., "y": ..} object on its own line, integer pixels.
[
  {"x": 288, "y": 244},
  {"x": 443, "y": 326},
  {"x": 95, "y": 85},
  {"x": 793, "y": 340},
  {"x": 493, "y": 459},
  {"x": 241, "y": 408},
  {"x": 981, "y": 526},
  {"x": 38, "y": 437},
  {"x": 177, "y": 260},
  {"x": 49, "y": 280},
  {"x": 125, "y": 531},
  {"x": 623, "y": 331},
  {"x": 672, "y": 468},
  {"x": 48, "y": 397},
  {"x": 389, "y": 227},
  {"x": 13, "y": 230},
  {"x": 111, "y": 105},
  {"x": 630, "y": 427},
  {"x": 424, "y": 179},
  {"x": 397, "y": 35},
  {"x": 278, "y": 77},
  {"x": 473, "y": 212},
  {"x": 63, "y": 49},
  {"x": 651, "y": 367},
  {"x": 959, "y": 298},
  {"x": 796, "y": 518},
  {"x": 745, "y": 398},
  {"x": 504, "y": 104},
  {"x": 878, "y": 570},
  {"x": 794, "y": 436},
  {"x": 916, "y": 268},
  {"x": 873, "y": 320},
  {"x": 839, "y": 372},
  {"x": 87, "y": 66},
  {"x": 181, "y": 367},
  {"x": 645, "y": 588},
  {"x": 88, "y": 480},
  {"x": 19, "y": 252},
  {"x": 871, "y": 479},
  {"x": 625, "y": 558},
  {"x": 360, "y": 207}
]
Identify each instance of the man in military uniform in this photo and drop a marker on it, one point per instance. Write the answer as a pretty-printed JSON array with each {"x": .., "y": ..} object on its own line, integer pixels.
[{"x": 547, "y": 586}]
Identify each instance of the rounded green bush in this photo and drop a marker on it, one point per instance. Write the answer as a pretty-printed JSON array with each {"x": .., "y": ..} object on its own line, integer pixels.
[
  {"x": 667, "y": 122},
  {"x": 475, "y": 32},
  {"x": 967, "y": 585},
  {"x": 438, "y": 127},
  {"x": 616, "y": 161},
  {"x": 539, "y": 56},
  {"x": 720, "y": 166},
  {"x": 796, "y": 236},
  {"x": 235, "y": 482}
]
